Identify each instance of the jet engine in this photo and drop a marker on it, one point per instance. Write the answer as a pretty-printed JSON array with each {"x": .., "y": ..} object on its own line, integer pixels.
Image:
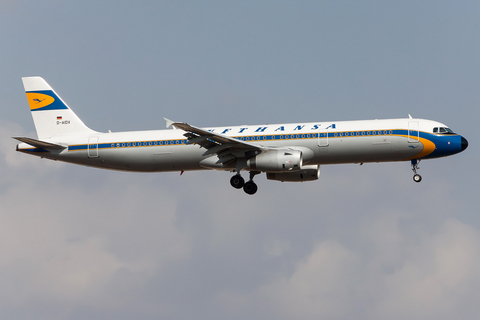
[
  {"x": 307, "y": 173},
  {"x": 276, "y": 161}
]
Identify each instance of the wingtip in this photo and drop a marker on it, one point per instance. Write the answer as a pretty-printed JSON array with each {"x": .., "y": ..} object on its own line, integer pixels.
[{"x": 168, "y": 122}]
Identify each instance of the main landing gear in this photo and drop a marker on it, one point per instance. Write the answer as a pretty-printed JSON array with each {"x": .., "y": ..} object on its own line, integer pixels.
[
  {"x": 249, "y": 187},
  {"x": 416, "y": 177}
]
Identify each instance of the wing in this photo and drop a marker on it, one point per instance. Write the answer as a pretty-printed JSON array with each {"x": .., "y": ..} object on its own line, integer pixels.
[{"x": 227, "y": 149}]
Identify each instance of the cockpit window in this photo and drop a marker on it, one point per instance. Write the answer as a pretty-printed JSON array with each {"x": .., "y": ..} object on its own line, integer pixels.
[{"x": 443, "y": 130}]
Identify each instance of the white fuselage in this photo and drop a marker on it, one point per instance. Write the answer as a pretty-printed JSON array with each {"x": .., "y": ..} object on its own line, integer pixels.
[{"x": 320, "y": 142}]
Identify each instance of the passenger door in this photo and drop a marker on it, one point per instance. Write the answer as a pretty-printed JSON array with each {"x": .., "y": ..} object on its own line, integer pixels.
[
  {"x": 93, "y": 147},
  {"x": 413, "y": 132}
]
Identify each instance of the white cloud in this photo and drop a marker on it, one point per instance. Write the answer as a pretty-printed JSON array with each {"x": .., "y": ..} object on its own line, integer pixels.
[
  {"x": 276, "y": 247},
  {"x": 67, "y": 233},
  {"x": 320, "y": 286},
  {"x": 435, "y": 277}
]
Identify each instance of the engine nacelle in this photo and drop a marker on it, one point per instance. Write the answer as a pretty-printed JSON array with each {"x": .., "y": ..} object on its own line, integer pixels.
[
  {"x": 307, "y": 173},
  {"x": 276, "y": 161}
]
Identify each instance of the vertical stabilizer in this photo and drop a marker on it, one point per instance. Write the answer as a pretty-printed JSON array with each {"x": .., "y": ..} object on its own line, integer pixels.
[{"x": 51, "y": 116}]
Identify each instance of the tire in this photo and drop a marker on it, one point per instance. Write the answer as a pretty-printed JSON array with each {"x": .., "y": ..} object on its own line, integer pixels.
[
  {"x": 237, "y": 181},
  {"x": 250, "y": 187},
  {"x": 417, "y": 178}
]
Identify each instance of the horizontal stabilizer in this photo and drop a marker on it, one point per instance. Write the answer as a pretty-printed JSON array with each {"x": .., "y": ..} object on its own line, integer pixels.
[{"x": 40, "y": 144}]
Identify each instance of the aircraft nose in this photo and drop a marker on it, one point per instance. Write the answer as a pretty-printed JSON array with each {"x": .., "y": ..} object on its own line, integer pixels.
[{"x": 464, "y": 143}]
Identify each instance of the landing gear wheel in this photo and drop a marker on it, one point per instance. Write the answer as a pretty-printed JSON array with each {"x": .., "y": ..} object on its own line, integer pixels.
[
  {"x": 250, "y": 187},
  {"x": 417, "y": 178},
  {"x": 237, "y": 181}
]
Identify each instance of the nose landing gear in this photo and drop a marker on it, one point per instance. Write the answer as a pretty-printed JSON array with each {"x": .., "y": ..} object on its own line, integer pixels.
[{"x": 416, "y": 177}]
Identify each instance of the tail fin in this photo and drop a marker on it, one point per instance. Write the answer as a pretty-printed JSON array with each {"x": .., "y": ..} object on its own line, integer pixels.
[{"x": 51, "y": 116}]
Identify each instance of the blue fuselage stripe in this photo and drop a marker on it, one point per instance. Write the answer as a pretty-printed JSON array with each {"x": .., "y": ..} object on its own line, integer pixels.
[{"x": 443, "y": 146}]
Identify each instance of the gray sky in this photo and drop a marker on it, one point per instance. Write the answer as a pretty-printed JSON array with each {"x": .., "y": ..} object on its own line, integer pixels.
[{"x": 363, "y": 242}]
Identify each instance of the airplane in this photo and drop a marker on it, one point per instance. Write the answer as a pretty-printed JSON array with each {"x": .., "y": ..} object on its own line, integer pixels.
[{"x": 290, "y": 152}]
